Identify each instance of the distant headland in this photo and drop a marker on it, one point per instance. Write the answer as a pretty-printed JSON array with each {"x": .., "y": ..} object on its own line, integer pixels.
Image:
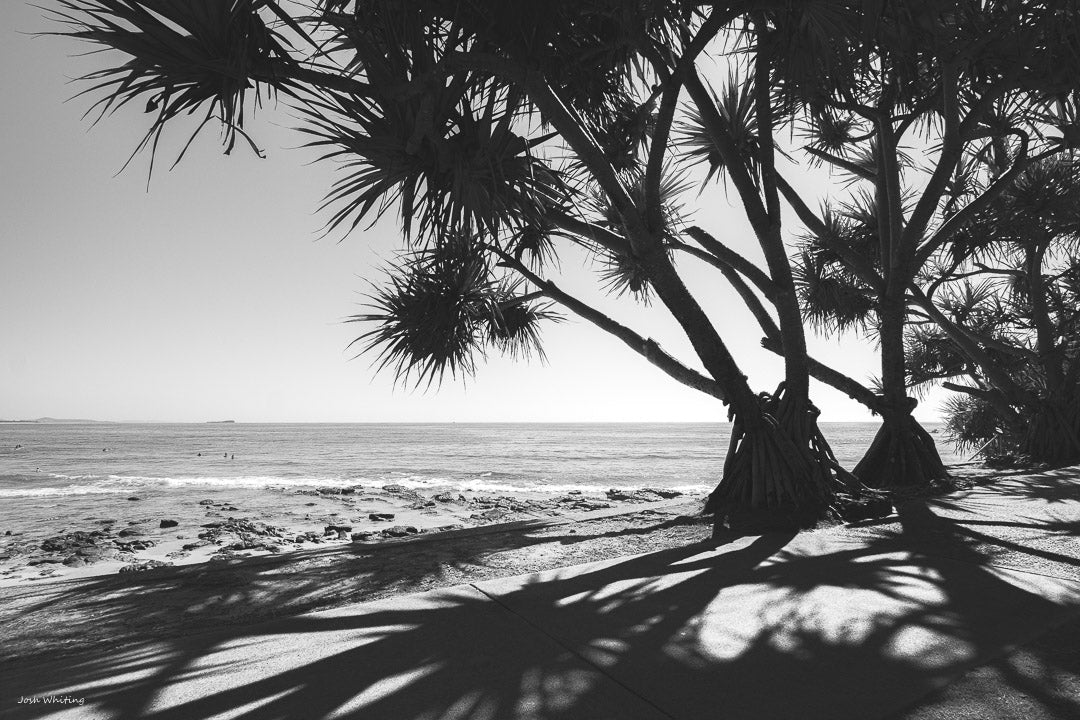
[{"x": 62, "y": 421}]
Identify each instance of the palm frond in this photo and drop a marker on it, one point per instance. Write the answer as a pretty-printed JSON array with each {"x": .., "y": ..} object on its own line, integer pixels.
[
  {"x": 442, "y": 308},
  {"x": 431, "y": 316},
  {"x": 184, "y": 55},
  {"x": 451, "y": 167},
  {"x": 735, "y": 103},
  {"x": 514, "y": 329},
  {"x": 831, "y": 300}
]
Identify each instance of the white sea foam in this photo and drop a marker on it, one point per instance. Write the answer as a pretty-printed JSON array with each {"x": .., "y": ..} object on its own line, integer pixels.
[{"x": 115, "y": 484}]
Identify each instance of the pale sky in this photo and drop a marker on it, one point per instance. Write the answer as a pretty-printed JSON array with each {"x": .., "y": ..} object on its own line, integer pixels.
[{"x": 211, "y": 296}]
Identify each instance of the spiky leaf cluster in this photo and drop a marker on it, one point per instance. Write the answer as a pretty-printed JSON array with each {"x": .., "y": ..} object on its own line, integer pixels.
[
  {"x": 184, "y": 56},
  {"x": 970, "y": 422},
  {"x": 622, "y": 273},
  {"x": 443, "y": 307},
  {"x": 832, "y": 297},
  {"x": 735, "y": 103}
]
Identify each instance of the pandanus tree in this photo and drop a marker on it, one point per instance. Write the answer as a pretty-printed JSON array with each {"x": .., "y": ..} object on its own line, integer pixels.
[
  {"x": 894, "y": 97},
  {"x": 1008, "y": 285},
  {"x": 504, "y": 134}
]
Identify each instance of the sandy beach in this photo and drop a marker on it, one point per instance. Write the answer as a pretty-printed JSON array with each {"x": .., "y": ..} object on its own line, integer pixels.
[
  {"x": 961, "y": 544},
  {"x": 83, "y": 536}
]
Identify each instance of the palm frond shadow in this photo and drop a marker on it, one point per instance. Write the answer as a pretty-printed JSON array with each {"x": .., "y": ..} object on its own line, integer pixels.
[{"x": 657, "y": 624}]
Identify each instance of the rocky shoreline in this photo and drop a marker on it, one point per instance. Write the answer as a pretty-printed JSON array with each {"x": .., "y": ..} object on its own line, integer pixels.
[{"x": 162, "y": 529}]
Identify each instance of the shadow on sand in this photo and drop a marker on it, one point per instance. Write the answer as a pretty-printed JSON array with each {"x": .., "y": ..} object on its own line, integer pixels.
[{"x": 819, "y": 626}]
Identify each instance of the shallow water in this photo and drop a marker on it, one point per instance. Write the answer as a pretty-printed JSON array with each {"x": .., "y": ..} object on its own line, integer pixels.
[{"x": 60, "y": 460}]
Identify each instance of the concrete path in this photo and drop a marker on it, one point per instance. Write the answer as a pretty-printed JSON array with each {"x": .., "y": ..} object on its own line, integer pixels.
[{"x": 854, "y": 624}]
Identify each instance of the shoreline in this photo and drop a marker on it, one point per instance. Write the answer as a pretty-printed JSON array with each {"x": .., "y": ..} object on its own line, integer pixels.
[
  {"x": 83, "y": 537},
  {"x": 100, "y": 615}
]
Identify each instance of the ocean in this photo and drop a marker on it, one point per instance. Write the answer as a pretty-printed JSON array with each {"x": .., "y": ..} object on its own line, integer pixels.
[{"x": 42, "y": 460}]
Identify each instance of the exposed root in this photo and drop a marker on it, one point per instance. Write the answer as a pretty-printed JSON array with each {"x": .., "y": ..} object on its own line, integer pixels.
[
  {"x": 779, "y": 470},
  {"x": 902, "y": 455},
  {"x": 1052, "y": 435}
]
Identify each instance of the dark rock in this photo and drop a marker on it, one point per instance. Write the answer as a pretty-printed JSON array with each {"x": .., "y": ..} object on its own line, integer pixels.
[
  {"x": 44, "y": 560},
  {"x": 212, "y": 524},
  {"x": 92, "y": 552},
  {"x": 664, "y": 493},
  {"x": 129, "y": 532},
  {"x": 400, "y": 531},
  {"x": 378, "y": 517},
  {"x": 71, "y": 541},
  {"x": 196, "y": 545},
  {"x": 106, "y": 522},
  {"x": 136, "y": 545},
  {"x": 864, "y": 508},
  {"x": 591, "y": 505},
  {"x": 206, "y": 502},
  {"x": 362, "y": 536},
  {"x": 168, "y": 524},
  {"x": 573, "y": 492},
  {"x": 342, "y": 531},
  {"x": 146, "y": 565},
  {"x": 75, "y": 561},
  {"x": 642, "y": 495},
  {"x": 134, "y": 499},
  {"x": 444, "y": 497},
  {"x": 395, "y": 489}
]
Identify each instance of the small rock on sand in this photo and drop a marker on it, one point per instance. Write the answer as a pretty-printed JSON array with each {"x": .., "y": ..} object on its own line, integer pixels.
[
  {"x": 168, "y": 524},
  {"x": 147, "y": 565}
]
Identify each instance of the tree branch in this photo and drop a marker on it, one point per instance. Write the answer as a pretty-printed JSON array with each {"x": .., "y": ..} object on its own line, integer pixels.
[
  {"x": 966, "y": 213},
  {"x": 835, "y": 379},
  {"x": 665, "y": 117},
  {"x": 646, "y": 347},
  {"x": 998, "y": 377},
  {"x": 730, "y": 258},
  {"x": 952, "y": 148},
  {"x": 600, "y": 235},
  {"x": 857, "y": 170},
  {"x": 860, "y": 267},
  {"x": 717, "y": 128}
]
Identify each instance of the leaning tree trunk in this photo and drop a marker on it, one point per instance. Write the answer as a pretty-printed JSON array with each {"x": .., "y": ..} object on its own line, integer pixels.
[
  {"x": 775, "y": 468},
  {"x": 902, "y": 453},
  {"x": 780, "y": 472}
]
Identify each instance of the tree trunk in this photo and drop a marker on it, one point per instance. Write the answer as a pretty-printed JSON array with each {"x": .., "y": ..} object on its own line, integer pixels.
[
  {"x": 1052, "y": 434},
  {"x": 779, "y": 473},
  {"x": 902, "y": 453}
]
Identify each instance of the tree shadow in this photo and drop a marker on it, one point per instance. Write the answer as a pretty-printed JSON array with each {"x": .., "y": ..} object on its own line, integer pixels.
[
  {"x": 173, "y": 602},
  {"x": 819, "y": 626},
  {"x": 1059, "y": 485}
]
